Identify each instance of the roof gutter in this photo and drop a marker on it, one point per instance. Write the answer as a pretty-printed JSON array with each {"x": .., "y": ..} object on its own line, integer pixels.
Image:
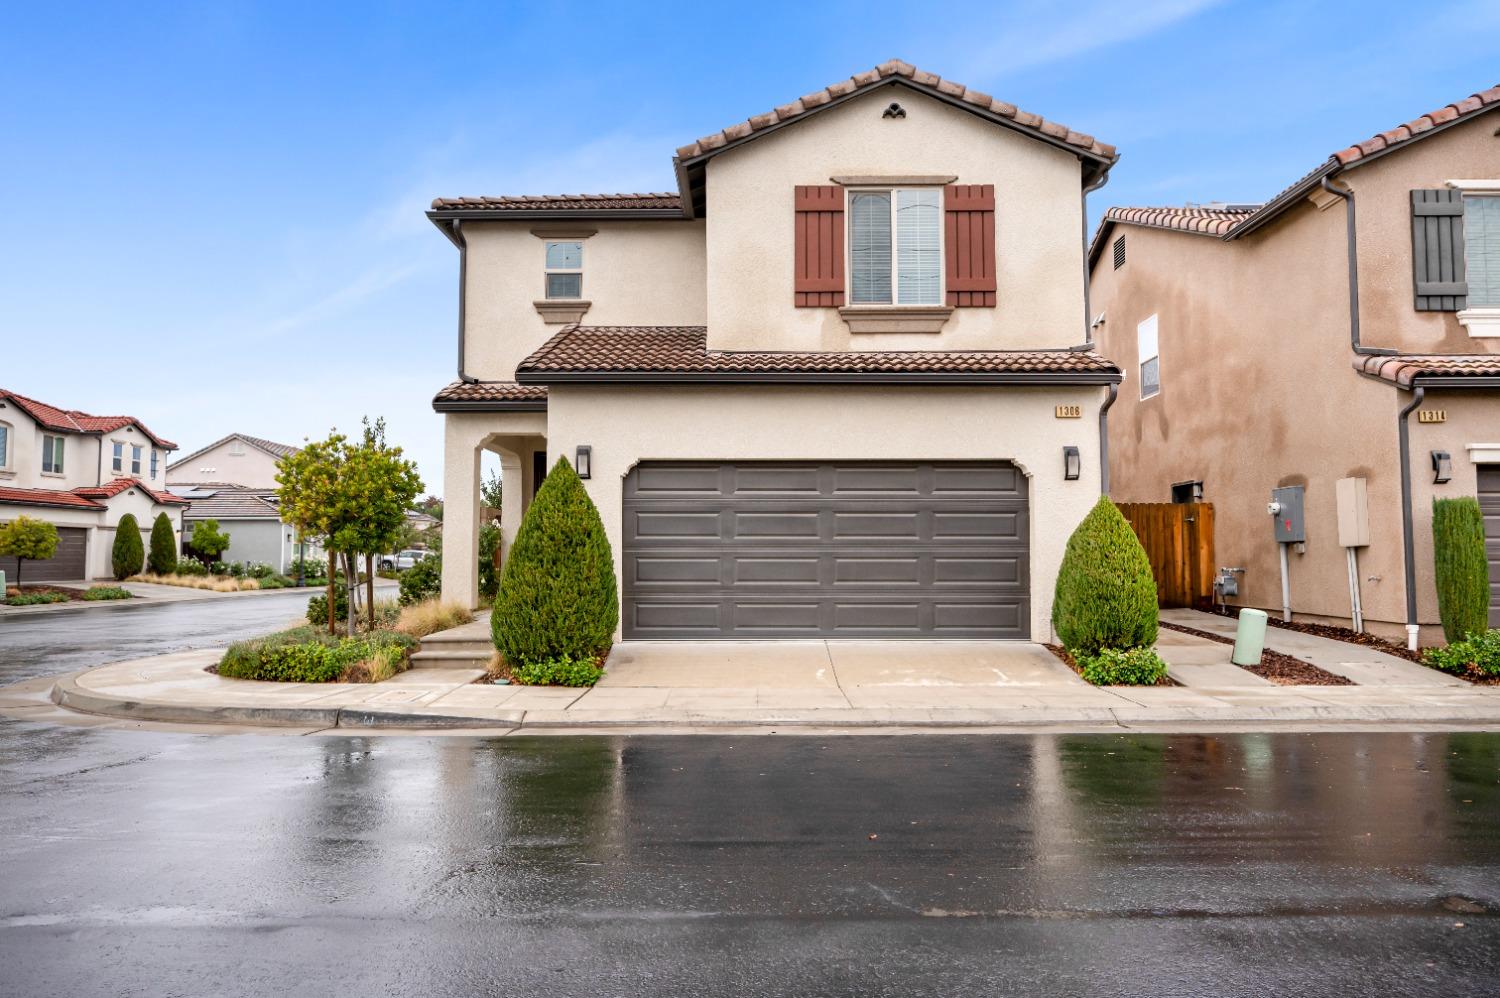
[
  {"x": 1114, "y": 391},
  {"x": 534, "y": 377},
  {"x": 455, "y": 233},
  {"x": 1408, "y": 546},
  {"x": 1083, "y": 200},
  {"x": 1352, "y": 253}
]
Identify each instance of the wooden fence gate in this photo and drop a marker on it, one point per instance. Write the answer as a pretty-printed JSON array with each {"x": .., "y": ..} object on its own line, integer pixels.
[{"x": 1179, "y": 541}]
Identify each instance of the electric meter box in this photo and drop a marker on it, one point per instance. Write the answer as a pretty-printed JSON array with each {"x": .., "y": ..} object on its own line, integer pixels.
[
  {"x": 1289, "y": 523},
  {"x": 1353, "y": 496}
]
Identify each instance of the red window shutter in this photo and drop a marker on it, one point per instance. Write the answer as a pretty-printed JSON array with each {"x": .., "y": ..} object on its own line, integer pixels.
[
  {"x": 969, "y": 238},
  {"x": 820, "y": 247}
]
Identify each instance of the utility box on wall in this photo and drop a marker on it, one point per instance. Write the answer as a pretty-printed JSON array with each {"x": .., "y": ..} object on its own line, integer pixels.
[
  {"x": 1354, "y": 512},
  {"x": 1286, "y": 508}
]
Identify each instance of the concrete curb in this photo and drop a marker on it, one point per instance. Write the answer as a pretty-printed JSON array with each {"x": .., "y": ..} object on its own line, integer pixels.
[{"x": 139, "y": 602}]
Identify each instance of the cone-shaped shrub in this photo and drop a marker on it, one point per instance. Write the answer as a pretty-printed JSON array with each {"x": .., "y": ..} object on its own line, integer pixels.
[
  {"x": 129, "y": 553},
  {"x": 557, "y": 589},
  {"x": 1106, "y": 597},
  {"x": 163, "y": 557},
  {"x": 1463, "y": 576}
]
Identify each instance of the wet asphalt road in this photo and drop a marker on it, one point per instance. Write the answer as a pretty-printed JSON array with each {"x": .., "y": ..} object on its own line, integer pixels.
[
  {"x": 57, "y": 641},
  {"x": 167, "y": 864}
]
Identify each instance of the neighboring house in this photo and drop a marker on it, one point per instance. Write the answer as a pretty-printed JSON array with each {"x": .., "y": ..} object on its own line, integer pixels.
[
  {"x": 81, "y": 473},
  {"x": 251, "y": 518},
  {"x": 244, "y": 460},
  {"x": 1252, "y": 371},
  {"x": 422, "y": 522},
  {"x": 833, "y": 387}
]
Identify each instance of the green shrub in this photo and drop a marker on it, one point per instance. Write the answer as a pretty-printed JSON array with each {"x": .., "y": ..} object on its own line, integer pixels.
[
  {"x": 129, "y": 555},
  {"x": 1477, "y": 654},
  {"x": 275, "y": 582},
  {"x": 1463, "y": 579},
  {"x": 557, "y": 592},
  {"x": 1123, "y": 667},
  {"x": 422, "y": 581},
  {"x": 208, "y": 540},
  {"x": 317, "y": 607},
  {"x": 233, "y": 569},
  {"x": 163, "y": 557},
  {"x": 34, "y": 599},
  {"x": 106, "y": 592},
  {"x": 560, "y": 670},
  {"x": 1105, "y": 597},
  {"x": 259, "y": 570},
  {"x": 27, "y": 539},
  {"x": 308, "y": 655},
  {"x": 188, "y": 565},
  {"x": 489, "y": 576}
]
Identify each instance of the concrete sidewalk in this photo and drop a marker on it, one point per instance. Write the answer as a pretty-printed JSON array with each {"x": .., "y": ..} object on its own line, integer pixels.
[{"x": 774, "y": 686}]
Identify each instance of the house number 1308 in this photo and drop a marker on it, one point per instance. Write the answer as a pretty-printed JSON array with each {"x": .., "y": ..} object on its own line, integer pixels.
[{"x": 1069, "y": 412}]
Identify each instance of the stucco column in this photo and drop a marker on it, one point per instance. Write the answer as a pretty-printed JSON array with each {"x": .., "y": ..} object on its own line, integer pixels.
[
  {"x": 512, "y": 492},
  {"x": 460, "y": 516}
]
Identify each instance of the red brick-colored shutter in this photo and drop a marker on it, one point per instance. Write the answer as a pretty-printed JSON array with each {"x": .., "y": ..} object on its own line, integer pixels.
[
  {"x": 820, "y": 246},
  {"x": 969, "y": 239}
]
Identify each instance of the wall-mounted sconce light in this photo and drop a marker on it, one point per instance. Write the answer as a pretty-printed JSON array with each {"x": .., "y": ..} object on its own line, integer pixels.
[
  {"x": 583, "y": 460},
  {"x": 1442, "y": 467},
  {"x": 1072, "y": 464}
]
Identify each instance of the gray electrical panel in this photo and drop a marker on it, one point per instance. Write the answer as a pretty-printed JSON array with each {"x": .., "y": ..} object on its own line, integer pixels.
[{"x": 1286, "y": 508}]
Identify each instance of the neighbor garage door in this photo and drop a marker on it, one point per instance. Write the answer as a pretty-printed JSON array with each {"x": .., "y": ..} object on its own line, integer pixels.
[
  {"x": 778, "y": 550},
  {"x": 1489, "y": 502},
  {"x": 67, "y": 565}
]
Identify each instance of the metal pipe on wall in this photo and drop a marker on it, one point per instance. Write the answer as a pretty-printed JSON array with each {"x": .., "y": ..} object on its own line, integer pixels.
[
  {"x": 1408, "y": 543},
  {"x": 1286, "y": 587},
  {"x": 1356, "y": 610}
]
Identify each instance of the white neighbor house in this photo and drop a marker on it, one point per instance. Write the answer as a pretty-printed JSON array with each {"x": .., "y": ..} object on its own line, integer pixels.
[
  {"x": 81, "y": 473},
  {"x": 837, "y": 385}
]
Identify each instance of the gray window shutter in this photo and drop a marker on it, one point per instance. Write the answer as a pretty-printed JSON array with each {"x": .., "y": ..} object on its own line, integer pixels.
[{"x": 1437, "y": 249}]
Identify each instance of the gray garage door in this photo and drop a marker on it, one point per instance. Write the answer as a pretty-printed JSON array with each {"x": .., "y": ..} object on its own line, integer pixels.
[
  {"x": 788, "y": 550},
  {"x": 1489, "y": 502},
  {"x": 67, "y": 565}
]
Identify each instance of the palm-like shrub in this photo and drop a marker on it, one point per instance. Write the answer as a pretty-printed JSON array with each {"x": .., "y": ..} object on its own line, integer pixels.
[
  {"x": 163, "y": 557},
  {"x": 1106, "y": 596},
  {"x": 557, "y": 591},
  {"x": 129, "y": 554},
  {"x": 1463, "y": 576}
]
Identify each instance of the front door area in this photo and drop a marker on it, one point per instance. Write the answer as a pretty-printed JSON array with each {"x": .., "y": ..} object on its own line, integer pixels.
[{"x": 756, "y": 550}]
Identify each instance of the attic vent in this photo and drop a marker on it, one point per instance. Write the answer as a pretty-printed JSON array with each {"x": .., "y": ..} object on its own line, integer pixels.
[
  {"x": 1119, "y": 252},
  {"x": 894, "y": 111}
]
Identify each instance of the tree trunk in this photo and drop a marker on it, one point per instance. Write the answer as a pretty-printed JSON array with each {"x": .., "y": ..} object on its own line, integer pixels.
[
  {"x": 353, "y": 584},
  {"x": 19, "y": 563},
  {"x": 332, "y": 575},
  {"x": 370, "y": 584}
]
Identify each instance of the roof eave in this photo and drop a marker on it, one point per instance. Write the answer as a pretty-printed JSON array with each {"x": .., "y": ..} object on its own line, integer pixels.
[
  {"x": 487, "y": 405},
  {"x": 534, "y": 377},
  {"x": 440, "y": 215}
]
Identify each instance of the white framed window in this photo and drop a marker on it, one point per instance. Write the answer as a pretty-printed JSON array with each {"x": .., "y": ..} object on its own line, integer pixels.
[
  {"x": 52, "y": 455},
  {"x": 155, "y": 456},
  {"x": 117, "y": 462},
  {"x": 4, "y": 446},
  {"x": 1482, "y": 249},
  {"x": 1148, "y": 354},
  {"x": 236, "y": 448},
  {"x": 896, "y": 246},
  {"x": 564, "y": 270},
  {"x": 135, "y": 459}
]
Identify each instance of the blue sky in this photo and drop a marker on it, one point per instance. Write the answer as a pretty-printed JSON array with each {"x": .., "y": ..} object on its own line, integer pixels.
[{"x": 211, "y": 214}]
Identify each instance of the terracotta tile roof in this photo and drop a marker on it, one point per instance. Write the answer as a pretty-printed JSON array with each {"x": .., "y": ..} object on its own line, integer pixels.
[
  {"x": 1405, "y": 369},
  {"x": 682, "y": 350},
  {"x": 895, "y": 68},
  {"x": 271, "y": 447},
  {"x": 45, "y": 497},
  {"x": 114, "y": 487},
  {"x": 74, "y": 421},
  {"x": 1418, "y": 127},
  {"x": 1210, "y": 220},
  {"x": 561, "y": 202},
  {"x": 489, "y": 394}
]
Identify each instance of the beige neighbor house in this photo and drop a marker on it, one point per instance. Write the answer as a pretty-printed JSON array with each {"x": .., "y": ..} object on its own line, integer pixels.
[
  {"x": 81, "y": 473},
  {"x": 1342, "y": 330},
  {"x": 233, "y": 481},
  {"x": 833, "y": 387}
]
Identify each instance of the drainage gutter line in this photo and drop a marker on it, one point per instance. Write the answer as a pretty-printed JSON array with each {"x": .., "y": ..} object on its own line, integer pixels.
[
  {"x": 455, "y": 233},
  {"x": 1407, "y": 542},
  {"x": 1114, "y": 391},
  {"x": 1353, "y": 256}
]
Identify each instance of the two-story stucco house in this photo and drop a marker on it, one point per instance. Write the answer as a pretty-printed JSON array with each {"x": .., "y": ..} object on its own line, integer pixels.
[
  {"x": 232, "y": 481},
  {"x": 81, "y": 473},
  {"x": 1347, "y": 331},
  {"x": 834, "y": 386}
]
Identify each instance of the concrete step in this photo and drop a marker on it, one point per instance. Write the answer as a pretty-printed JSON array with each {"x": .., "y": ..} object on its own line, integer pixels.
[
  {"x": 451, "y": 659},
  {"x": 437, "y": 642}
]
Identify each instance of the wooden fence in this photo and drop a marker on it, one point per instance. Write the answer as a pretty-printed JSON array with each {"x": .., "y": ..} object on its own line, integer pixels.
[{"x": 1179, "y": 541}]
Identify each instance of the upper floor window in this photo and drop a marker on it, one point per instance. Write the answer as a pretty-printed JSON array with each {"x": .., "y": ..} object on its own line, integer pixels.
[
  {"x": 1482, "y": 249},
  {"x": 52, "y": 455},
  {"x": 135, "y": 459},
  {"x": 565, "y": 270},
  {"x": 895, "y": 247},
  {"x": 1149, "y": 355},
  {"x": 4, "y": 445},
  {"x": 118, "y": 461},
  {"x": 154, "y": 457}
]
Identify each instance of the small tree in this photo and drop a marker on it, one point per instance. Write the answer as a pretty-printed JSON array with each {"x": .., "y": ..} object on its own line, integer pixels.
[
  {"x": 1463, "y": 575},
  {"x": 163, "y": 557},
  {"x": 129, "y": 554},
  {"x": 1106, "y": 596},
  {"x": 209, "y": 540},
  {"x": 490, "y": 490},
  {"x": 26, "y": 539},
  {"x": 557, "y": 592}
]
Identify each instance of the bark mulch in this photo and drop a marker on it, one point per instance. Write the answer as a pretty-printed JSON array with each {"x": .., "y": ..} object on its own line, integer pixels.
[
  {"x": 1340, "y": 634},
  {"x": 1066, "y": 658},
  {"x": 1283, "y": 670}
]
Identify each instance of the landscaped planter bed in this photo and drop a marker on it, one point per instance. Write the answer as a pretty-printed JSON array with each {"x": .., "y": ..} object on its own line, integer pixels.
[
  {"x": 1335, "y": 633},
  {"x": 1067, "y": 659},
  {"x": 1283, "y": 670},
  {"x": 62, "y": 594}
]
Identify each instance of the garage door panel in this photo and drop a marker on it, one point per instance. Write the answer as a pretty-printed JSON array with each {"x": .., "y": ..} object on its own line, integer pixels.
[
  {"x": 803, "y": 549},
  {"x": 68, "y": 564},
  {"x": 1489, "y": 504}
]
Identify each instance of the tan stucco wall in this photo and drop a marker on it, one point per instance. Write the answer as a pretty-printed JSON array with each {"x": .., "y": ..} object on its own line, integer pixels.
[
  {"x": 253, "y": 469},
  {"x": 751, "y": 226},
  {"x": 625, "y": 426},
  {"x": 647, "y": 273},
  {"x": 1258, "y": 389},
  {"x": 102, "y": 540}
]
